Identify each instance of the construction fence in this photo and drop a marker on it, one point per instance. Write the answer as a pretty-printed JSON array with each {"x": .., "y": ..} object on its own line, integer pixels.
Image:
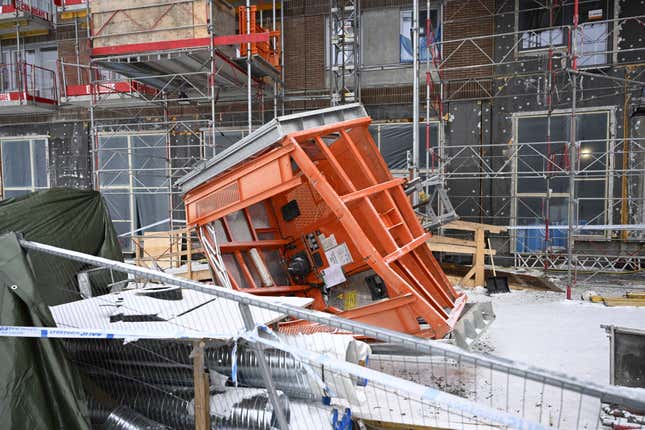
[{"x": 166, "y": 352}]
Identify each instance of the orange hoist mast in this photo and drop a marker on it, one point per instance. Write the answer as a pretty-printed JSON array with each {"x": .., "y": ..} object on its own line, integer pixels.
[{"x": 270, "y": 50}]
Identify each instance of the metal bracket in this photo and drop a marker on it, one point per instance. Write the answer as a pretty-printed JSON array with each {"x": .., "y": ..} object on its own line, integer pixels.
[
  {"x": 435, "y": 196},
  {"x": 245, "y": 310}
]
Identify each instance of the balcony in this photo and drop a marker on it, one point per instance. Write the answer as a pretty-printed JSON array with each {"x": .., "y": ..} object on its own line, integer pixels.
[
  {"x": 25, "y": 88},
  {"x": 70, "y": 5},
  {"x": 107, "y": 88},
  {"x": 35, "y": 17},
  {"x": 169, "y": 42}
]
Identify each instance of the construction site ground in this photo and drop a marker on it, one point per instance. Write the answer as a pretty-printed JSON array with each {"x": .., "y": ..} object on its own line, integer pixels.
[{"x": 544, "y": 329}]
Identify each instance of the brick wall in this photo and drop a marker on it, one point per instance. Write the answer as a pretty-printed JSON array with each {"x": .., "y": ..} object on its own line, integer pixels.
[
  {"x": 305, "y": 47},
  {"x": 304, "y": 54},
  {"x": 67, "y": 54},
  {"x": 463, "y": 19}
]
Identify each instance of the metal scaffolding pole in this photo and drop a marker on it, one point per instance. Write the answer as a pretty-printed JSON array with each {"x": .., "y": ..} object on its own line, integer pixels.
[
  {"x": 428, "y": 29},
  {"x": 415, "y": 88},
  {"x": 211, "y": 32},
  {"x": 572, "y": 157},
  {"x": 249, "y": 81},
  {"x": 274, "y": 43}
]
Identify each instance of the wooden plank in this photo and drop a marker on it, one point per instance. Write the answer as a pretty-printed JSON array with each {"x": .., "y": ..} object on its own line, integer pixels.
[
  {"x": 383, "y": 425},
  {"x": 623, "y": 301},
  {"x": 517, "y": 281},
  {"x": 451, "y": 241},
  {"x": 473, "y": 226},
  {"x": 467, "y": 277},
  {"x": 456, "y": 249},
  {"x": 201, "y": 383},
  {"x": 478, "y": 261}
]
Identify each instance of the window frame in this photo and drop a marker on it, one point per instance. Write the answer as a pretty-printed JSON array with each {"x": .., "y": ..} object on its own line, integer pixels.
[
  {"x": 610, "y": 111},
  {"x": 131, "y": 189},
  {"x": 439, "y": 11},
  {"x": 31, "y": 140},
  {"x": 611, "y": 42}
]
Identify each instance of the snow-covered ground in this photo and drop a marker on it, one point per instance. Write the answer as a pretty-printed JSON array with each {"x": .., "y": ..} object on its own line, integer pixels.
[
  {"x": 542, "y": 329},
  {"x": 546, "y": 330}
]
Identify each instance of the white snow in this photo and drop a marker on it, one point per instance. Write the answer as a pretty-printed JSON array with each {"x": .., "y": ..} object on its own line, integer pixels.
[{"x": 546, "y": 330}]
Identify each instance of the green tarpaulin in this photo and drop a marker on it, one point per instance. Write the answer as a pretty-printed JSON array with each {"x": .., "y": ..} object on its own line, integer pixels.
[
  {"x": 70, "y": 219},
  {"x": 41, "y": 389}
]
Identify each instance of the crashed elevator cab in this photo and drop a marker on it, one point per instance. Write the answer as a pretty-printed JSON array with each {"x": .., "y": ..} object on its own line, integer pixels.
[{"x": 305, "y": 205}]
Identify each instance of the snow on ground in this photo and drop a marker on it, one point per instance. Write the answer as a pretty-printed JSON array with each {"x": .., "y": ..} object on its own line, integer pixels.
[{"x": 546, "y": 330}]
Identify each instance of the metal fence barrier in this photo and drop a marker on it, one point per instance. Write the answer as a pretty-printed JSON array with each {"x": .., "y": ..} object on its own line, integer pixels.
[{"x": 258, "y": 377}]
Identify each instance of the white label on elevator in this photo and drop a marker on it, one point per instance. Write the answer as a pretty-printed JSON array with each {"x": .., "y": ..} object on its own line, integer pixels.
[{"x": 339, "y": 255}]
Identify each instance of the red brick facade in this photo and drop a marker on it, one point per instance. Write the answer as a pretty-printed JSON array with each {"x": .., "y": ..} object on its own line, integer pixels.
[{"x": 305, "y": 47}]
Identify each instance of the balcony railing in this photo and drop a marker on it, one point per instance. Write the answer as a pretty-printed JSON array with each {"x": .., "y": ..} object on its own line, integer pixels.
[
  {"x": 26, "y": 82},
  {"x": 40, "y": 8}
]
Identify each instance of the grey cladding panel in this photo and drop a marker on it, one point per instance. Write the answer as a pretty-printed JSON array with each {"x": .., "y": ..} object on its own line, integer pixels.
[{"x": 265, "y": 137}]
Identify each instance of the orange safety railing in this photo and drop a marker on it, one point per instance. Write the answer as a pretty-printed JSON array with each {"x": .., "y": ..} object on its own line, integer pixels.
[{"x": 270, "y": 50}]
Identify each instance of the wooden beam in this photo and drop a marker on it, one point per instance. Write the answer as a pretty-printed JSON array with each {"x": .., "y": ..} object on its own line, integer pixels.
[
  {"x": 623, "y": 301},
  {"x": 375, "y": 424},
  {"x": 467, "y": 277},
  {"x": 202, "y": 393},
  {"x": 457, "y": 249},
  {"x": 478, "y": 260},
  {"x": 451, "y": 241},
  {"x": 474, "y": 226}
]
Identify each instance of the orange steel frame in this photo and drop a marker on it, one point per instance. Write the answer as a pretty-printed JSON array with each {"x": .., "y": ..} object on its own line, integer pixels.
[
  {"x": 264, "y": 49},
  {"x": 344, "y": 188}
]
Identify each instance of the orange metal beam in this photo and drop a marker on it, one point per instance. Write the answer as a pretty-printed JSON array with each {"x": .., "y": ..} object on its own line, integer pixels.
[
  {"x": 365, "y": 192},
  {"x": 407, "y": 248}
]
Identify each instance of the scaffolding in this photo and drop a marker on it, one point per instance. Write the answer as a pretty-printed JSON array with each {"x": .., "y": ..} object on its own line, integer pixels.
[
  {"x": 552, "y": 76},
  {"x": 25, "y": 87},
  {"x": 567, "y": 61},
  {"x": 192, "y": 90},
  {"x": 167, "y": 85},
  {"x": 344, "y": 51}
]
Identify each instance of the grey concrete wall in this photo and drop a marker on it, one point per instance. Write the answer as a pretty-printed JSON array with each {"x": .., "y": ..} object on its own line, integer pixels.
[{"x": 380, "y": 45}]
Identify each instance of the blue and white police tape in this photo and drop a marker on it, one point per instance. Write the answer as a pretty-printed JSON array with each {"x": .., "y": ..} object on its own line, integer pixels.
[{"x": 84, "y": 333}]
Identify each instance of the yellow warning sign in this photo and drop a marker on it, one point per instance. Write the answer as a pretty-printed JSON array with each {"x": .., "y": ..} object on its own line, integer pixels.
[{"x": 351, "y": 299}]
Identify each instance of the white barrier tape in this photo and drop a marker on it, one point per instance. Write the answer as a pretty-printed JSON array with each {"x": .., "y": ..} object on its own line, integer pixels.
[
  {"x": 81, "y": 333},
  {"x": 416, "y": 391}
]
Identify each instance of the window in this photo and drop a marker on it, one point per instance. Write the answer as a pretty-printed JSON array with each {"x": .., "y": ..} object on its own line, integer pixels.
[
  {"x": 542, "y": 26},
  {"x": 40, "y": 70},
  {"x": 542, "y": 164},
  {"x": 133, "y": 176},
  {"x": 405, "y": 37},
  {"x": 24, "y": 165}
]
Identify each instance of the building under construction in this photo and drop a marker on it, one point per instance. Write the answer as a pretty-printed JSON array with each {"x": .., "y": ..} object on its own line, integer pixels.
[
  {"x": 125, "y": 97},
  {"x": 372, "y": 159}
]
